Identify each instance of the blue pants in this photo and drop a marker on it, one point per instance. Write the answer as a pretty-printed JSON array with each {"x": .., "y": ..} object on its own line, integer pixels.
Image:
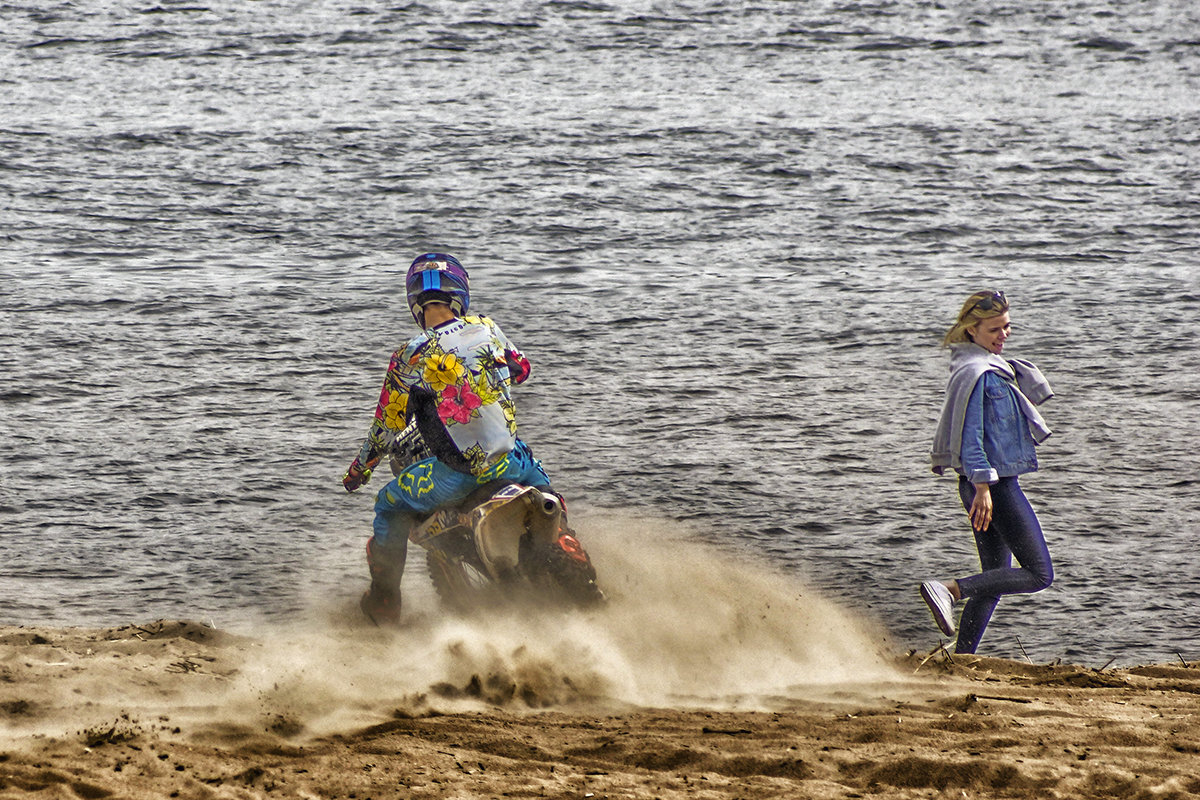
[
  {"x": 1014, "y": 532},
  {"x": 430, "y": 484}
]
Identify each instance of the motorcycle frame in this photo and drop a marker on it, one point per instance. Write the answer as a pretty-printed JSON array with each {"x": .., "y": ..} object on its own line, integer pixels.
[{"x": 497, "y": 526}]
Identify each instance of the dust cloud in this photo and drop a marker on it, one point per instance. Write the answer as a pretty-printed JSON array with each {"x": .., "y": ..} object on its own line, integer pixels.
[{"x": 687, "y": 625}]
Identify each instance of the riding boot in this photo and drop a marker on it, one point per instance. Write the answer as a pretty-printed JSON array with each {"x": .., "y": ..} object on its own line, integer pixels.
[{"x": 385, "y": 561}]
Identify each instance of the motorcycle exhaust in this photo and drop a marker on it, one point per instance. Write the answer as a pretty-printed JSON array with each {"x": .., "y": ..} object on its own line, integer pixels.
[{"x": 511, "y": 514}]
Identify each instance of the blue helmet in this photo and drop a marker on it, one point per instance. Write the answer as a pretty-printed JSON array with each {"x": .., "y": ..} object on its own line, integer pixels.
[{"x": 437, "y": 278}]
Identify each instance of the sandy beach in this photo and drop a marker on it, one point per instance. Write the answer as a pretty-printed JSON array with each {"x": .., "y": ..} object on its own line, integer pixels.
[{"x": 179, "y": 709}]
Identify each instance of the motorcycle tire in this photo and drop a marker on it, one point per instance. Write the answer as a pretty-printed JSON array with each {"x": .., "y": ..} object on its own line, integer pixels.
[
  {"x": 572, "y": 578},
  {"x": 463, "y": 587},
  {"x": 460, "y": 586}
]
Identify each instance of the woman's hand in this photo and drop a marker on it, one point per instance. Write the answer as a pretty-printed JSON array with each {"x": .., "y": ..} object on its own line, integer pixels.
[{"x": 980, "y": 512}]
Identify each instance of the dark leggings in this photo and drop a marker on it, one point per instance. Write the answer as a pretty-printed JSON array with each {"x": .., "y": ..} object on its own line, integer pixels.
[{"x": 1014, "y": 531}]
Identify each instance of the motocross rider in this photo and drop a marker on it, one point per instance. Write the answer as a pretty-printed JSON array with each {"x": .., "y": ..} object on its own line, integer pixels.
[{"x": 454, "y": 379}]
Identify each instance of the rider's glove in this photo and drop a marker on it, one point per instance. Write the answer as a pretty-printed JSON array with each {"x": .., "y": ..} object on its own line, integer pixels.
[{"x": 355, "y": 477}]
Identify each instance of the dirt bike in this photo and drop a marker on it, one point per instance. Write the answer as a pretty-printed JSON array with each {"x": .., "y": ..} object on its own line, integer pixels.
[{"x": 503, "y": 543}]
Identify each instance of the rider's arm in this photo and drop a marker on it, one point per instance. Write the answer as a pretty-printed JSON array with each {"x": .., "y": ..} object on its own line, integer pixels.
[
  {"x": 518, "y": 365},
  {"x": 390, "y": 411}
]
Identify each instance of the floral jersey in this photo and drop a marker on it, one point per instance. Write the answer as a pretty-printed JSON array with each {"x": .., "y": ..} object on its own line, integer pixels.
[{"x": 454, "y": 380}]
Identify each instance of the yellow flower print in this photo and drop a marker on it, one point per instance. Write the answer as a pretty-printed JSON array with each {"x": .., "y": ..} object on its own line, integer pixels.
[
  {"x": 443, "y": 370},
  {"x": 394, "y": 411},
  {"x": 485, "y": 391},
  {"x": 476, "y": 457}
]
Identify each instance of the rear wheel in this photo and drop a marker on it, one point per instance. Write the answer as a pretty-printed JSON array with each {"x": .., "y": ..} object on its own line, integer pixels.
[
  {"x": 560, "y": 571},
  {"x": 460, "y": 585},
  {"x": 568, "y": 569}
]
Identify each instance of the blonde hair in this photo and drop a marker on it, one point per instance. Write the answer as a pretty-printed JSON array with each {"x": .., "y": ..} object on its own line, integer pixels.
[{"x": 972, "y": 314}]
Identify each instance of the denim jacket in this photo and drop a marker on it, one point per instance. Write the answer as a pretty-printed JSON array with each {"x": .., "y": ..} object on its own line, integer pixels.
[
  {"x": 996, "y": 442},
  {"x": 989, "y": 426}
]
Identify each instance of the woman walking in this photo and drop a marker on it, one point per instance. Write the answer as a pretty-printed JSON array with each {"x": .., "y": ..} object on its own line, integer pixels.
[{"x": 987, "y": 433}]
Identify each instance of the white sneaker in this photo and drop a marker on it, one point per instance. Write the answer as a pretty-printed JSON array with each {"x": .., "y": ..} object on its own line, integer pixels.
[{"x": 941, "y": 603}]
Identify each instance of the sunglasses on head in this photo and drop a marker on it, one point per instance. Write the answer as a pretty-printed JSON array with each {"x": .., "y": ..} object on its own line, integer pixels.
[{"x": 992, "y": 301}]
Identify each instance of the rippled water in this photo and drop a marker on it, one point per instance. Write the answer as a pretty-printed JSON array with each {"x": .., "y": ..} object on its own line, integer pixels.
[{"x": 728, "y": 235}]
